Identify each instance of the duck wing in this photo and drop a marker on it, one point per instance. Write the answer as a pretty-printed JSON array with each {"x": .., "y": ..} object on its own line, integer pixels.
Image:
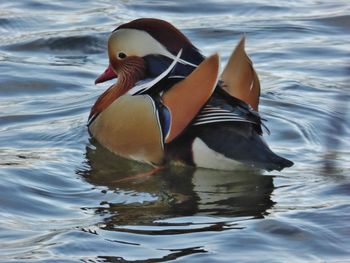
[
  {"x": 239, "y": 77},
  {"x": 222, "y": 107}
]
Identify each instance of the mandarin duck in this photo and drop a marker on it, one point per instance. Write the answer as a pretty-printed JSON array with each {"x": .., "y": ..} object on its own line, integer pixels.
[{"x": 171, "y": 105}]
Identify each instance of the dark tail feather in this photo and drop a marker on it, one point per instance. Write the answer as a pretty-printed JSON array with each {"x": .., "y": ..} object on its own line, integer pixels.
[
  {"x": 261, "y": 156},
  {"x": 276, "y": 162},
  {"x": 240, "y": 142}
]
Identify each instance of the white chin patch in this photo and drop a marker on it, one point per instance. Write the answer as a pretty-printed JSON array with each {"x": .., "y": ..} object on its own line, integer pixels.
[{"x": 205, "y": 157}]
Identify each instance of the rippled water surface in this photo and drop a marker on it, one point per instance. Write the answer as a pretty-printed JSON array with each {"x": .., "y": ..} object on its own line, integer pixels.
[{"x": 61, "y": 196}]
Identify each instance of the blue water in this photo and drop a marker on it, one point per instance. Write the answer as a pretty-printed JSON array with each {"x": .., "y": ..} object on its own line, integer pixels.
[{"x": 61, "y": 198}]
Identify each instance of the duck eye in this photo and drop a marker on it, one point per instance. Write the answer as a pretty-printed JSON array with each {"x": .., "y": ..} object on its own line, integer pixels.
[{"x": 121, "y": 55}]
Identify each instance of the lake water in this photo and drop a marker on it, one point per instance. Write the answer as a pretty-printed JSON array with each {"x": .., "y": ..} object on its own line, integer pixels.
[{"x": 62, "y": 198}]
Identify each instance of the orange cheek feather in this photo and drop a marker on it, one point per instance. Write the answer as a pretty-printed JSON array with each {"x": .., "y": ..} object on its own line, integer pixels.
[{"x": 130, "y": 71}]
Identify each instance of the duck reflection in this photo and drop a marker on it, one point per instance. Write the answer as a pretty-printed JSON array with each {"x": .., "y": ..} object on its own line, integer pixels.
[{"x": 174, "y": 191}]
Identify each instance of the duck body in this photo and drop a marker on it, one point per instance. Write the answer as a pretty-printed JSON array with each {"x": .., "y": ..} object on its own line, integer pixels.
[
  {"x": 167, "y": 108},
  {"x": 225, "y": 144}
]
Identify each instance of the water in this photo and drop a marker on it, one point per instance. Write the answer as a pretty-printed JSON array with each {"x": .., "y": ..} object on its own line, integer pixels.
[{"x": 62, "y": 198}]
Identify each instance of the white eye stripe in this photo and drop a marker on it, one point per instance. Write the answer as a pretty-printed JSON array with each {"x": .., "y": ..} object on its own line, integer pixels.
[
  {"x": 136, "y": 42},
  {"x": 139, "y": 43}
]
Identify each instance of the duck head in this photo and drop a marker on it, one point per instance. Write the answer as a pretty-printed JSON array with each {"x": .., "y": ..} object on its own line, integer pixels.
[
  {"x": 145, "y": 48},
  {"x": 141, "y": 49}
]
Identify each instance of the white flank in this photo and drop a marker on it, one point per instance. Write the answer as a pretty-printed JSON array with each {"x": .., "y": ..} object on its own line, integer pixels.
[{"x": 205, "y": 157}]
